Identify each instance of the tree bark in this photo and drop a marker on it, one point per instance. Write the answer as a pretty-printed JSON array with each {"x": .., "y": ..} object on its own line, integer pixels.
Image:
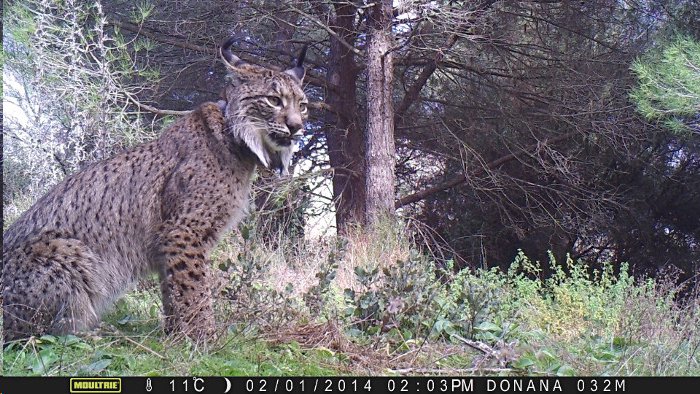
[
  {"x": 380, "y": 153},
  {"x": 345, "y": 139}
]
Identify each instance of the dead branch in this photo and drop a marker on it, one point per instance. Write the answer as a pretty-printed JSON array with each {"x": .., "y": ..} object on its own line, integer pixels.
[{"x": 461, "y": 178}]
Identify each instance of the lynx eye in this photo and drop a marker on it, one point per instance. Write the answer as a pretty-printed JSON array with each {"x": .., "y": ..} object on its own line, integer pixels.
[
  {"x": 303, "y": 107},
  {"x": 274, "y": 101}
]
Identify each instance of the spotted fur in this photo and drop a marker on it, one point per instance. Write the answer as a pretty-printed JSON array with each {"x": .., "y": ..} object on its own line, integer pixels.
[{"x": 161, "y": 206}]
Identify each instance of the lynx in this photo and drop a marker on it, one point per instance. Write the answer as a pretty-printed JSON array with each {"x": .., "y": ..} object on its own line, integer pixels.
[{"x": 161, "y": 207}]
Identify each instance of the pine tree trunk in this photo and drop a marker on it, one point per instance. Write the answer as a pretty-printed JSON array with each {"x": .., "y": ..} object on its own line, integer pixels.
[
  {"x": 379, "y": 139},
  {"x": 345, "y": 139}
]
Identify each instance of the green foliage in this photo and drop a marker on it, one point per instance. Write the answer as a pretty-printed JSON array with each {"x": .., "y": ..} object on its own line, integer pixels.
[
  {"x": 114, "y": 356},
  {"x": 251, "y": 297},
  {"x": 669, "y": 84},
  {"x": 406, "y": 299},
  {"x": 138, "y": 312},
  {"x": 576, "y": 321},
  {"x": 142, "y": 12},
  {"x": 148, "y": 352},
  {"x": 319, "y": 295}
]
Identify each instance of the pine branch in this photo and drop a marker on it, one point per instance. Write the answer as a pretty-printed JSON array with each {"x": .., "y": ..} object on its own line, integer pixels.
[{"x": 462, "y": 178}]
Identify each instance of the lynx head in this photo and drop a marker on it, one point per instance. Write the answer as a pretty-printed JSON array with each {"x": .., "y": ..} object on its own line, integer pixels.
[{"x": 265, "y": 109}]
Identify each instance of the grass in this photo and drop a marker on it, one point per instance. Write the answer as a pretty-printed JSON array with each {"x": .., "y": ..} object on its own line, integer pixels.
[
  {"x": 372, "y": 305},
  {"x": 115, "y": 355},
  {"x": 130, "y": 343}
]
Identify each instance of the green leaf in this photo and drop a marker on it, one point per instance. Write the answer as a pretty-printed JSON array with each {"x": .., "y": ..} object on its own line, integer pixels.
[
  {"x": 566, "y": 370},
  {"x": 619, "y": 342},
  {"x": 523, "y": 362},
  {"x": 245, "y": 233},
  {"x": 488, "y": 326},
  {"x": 488, "y": 336},
  {"x": 96, "y": 367},
  {"x": 47, "y": 339},
  {"x": 325, "y": 352},
  {"x": 349, "y": 294},
  {"x": 70, "y": 340},
  {"x": 373, "y": 330},
  {"x": 606, "y": 356},
  {"x": 154, "y": 311},
  {"x": 546, "y": 355},
  {"x": 289, "y": 289},
  {"x": 354, "y": 332},
  {"x": 46, "y": 359},
  {"x": 125, "y": 320}
]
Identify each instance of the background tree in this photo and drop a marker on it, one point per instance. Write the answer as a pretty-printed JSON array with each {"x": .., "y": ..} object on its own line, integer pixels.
[{"x": 379, "y": 145}]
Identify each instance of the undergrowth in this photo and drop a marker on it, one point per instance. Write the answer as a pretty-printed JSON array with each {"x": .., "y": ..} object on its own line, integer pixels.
[
  {"x": 372, "y": 304},
  {"x": 153, "y": 356}
]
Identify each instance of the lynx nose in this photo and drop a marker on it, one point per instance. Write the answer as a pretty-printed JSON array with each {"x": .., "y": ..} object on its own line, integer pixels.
[
  {"x": 295, "y": 125},
  {"x": 295, "y": 128}
]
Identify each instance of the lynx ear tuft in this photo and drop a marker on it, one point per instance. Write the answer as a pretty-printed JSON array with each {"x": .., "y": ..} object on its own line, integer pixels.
[
  {"x": 298, "y": 71},
  {"x": 231, "y": 60}
]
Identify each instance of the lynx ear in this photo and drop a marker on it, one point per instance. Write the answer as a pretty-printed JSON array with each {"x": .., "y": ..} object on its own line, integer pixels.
[
  {"x": 298, "y": 71},
  {"x": 232, "y": 61}
]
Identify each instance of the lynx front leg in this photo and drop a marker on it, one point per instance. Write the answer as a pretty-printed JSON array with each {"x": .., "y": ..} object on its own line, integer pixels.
[{"x": 185, "y": 277}]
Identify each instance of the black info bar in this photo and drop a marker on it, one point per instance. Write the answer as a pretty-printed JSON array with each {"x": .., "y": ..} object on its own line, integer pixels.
[{"x": 349, "y": 384}]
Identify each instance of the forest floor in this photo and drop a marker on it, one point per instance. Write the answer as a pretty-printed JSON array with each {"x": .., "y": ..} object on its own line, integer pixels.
[{"x": 372, "y": 305}]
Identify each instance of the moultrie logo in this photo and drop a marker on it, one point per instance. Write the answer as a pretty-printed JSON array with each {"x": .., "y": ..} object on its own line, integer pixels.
[{"x": 95, "y": 385}]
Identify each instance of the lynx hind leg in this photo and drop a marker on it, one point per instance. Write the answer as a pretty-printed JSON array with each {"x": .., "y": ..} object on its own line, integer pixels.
[
  {"x": 49, "y": 287},
  {"x": 187, "y": 299}
]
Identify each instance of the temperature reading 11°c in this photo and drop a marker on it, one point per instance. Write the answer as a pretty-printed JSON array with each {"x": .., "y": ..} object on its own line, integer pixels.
[{"x": 196, "y": 385}]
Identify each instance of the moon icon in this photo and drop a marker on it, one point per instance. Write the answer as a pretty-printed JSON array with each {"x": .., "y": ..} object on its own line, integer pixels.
[{"x": 228, "y": 385}]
